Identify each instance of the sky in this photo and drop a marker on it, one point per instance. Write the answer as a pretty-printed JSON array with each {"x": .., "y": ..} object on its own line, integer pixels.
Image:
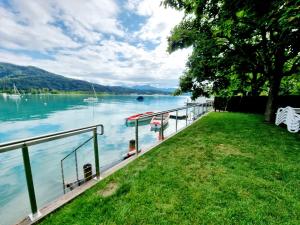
[{"x": 110, "y": 42}]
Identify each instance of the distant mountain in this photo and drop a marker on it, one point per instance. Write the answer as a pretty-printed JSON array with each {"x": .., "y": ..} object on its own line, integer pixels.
[
  {"x": 151, "y": 88},
  {"x": 27, "y": 78}
]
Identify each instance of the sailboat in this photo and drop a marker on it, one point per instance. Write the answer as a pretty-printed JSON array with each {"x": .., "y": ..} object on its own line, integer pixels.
[
  {"x": 91, "y": 99},
  {"x": 4, "y": 94},
  {"x": 16, "y": 95}
]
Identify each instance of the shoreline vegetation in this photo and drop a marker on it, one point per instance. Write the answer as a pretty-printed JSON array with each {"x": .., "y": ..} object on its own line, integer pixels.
[
  {"x": 227, "y": 168},
  {"x": 56, "y": 92}
]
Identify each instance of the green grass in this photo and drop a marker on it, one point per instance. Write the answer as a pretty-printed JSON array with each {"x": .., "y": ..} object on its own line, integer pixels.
[{"x": 228, "y": 168}]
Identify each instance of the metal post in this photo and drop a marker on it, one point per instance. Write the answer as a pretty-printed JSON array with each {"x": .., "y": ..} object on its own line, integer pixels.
[
  {"x": 76, "y": 166},
  {"x": 137, "y": 136},
  {"x": 96, "y": 153},
  {"x": 62, "y": 176},
  {"x": 186, "y": 116},
  {"x": 162, "y": 127},
  {"x": 29, "y": 179},
  {"x": 194, "y": 113},
  {"x": 176, "y": 120}
]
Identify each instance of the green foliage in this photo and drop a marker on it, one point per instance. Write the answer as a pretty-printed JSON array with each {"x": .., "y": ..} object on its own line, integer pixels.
[
  {"x": 239, "y": 47},
  {"x": 290, "y": 85},
  {"x": 224, "y": 169}
]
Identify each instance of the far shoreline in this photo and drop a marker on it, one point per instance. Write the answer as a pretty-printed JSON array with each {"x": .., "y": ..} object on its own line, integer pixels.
[{"x": 81, "y": 93}]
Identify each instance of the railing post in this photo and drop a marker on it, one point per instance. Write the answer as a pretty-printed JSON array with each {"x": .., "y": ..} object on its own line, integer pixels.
[
  {"x": 162, "y": 126},
  {"x": 186, "y": 115},
  {"x": 62, "y": 176},
  {"x": 76, "y": 166},
  {"x": 137, "y": 136},
  {"x": 194, "y": 113},
  {"x": 96, "y": 153},
  {"x": 29, "y": 180},
  {"x": 176, "y": 120}
]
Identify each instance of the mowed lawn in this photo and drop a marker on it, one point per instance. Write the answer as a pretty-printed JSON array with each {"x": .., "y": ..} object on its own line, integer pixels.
[{"x": 227, "y": 168}]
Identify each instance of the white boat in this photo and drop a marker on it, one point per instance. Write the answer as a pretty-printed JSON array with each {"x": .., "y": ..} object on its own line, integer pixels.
[
  {"x": 91, "y": 99},
  {"x": 16, "y": 95},
  {"x": 156, "y": 121},
  {"x": 131, "y": 119},
  {"x": 4, "y": 95}
]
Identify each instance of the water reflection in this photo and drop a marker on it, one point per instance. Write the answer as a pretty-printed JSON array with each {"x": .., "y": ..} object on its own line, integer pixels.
[{"x": 49, "y": 113}]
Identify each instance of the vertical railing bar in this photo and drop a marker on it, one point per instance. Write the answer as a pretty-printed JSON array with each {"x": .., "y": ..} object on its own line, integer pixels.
[
  {"x": 96, "y": 153},
  {"x": 186, "y": 116},
  {"x": 162, "y": 126},
  {"x": 194, "y": 113},
  {"x": 137, "y": 136},
  {"x": 62, "y": 175},
  {"x": 76, "y": 166},
  {"x": 29, "y": 180},
  {"x": 176, "y": 119}
]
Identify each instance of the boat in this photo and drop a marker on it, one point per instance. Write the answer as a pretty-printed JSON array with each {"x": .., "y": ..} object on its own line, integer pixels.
[
  {"x": 183, "y": 117},
  {"x": 159, "y": 120},
  {"x": 4, "y": 95},
  {"x": 16, "y": 95},
  {"x": 91, "y": 99},
  {"x": 140, "y": 98},
  {"x": 133, "y": 118}
]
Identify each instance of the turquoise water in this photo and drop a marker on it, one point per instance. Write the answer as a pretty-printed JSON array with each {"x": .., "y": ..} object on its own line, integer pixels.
[{"x": 41, "y": 114}]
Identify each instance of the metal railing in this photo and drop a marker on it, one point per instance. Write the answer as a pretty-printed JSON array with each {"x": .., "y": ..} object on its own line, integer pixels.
[
  {"x": 196, "y": 111},
  {"x": 25, "y": 143}
]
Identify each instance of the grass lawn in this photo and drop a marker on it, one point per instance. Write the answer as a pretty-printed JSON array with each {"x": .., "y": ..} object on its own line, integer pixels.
[{"x": 227, "y": 168}]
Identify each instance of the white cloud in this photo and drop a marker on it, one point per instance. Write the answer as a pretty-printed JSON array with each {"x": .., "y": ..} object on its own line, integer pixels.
[
  {"x": 161, "y": 20},
  {"x": 17, "y": 35},
  {"x": 80, "y": 46}
]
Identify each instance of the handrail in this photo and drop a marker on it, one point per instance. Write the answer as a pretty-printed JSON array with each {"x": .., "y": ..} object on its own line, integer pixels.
[
  {"x": 24, "y": 143},
  {"x": 8, "y": 146},
  {"x": 199, "y": 109},
  {"x": 171, "y": 110},
  {"x": 194, "y": 105}
]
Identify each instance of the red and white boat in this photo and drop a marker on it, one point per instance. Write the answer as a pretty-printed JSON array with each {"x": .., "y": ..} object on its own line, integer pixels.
[
  {"x": 156, "y": 121},
  {"x": 133, "y": 118}
]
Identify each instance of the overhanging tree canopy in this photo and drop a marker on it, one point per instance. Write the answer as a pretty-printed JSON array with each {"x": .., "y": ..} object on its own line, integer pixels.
[{"x": 241, "y": 43}]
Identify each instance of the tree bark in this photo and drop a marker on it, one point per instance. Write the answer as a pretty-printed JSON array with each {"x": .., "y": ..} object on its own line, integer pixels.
[{"x": 272, "y": 98}]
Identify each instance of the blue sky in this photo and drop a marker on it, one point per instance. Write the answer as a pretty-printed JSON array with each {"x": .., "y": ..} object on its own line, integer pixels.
[{"x": 112, "y": 42}]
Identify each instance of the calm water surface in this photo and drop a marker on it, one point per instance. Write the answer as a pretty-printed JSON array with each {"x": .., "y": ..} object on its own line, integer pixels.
[{"x": 35, "y": 115}]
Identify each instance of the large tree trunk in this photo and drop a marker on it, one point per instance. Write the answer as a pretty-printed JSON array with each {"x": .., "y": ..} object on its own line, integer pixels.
[{"x": 272, "y": 98}]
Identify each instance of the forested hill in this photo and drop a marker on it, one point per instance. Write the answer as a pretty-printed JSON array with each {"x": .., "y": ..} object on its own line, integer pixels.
[{"x": 28, "y": 78}]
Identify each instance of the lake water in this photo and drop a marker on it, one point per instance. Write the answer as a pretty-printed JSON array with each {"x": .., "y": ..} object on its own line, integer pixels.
[{"x": 41, "y": 114}]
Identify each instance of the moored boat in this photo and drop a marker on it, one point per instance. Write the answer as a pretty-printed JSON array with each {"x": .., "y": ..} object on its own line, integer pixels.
[
  {"x": 140, "y": 98},
  {"x": 91, "y": 99},
  {"x": 16, "y": 95},
  {"x": 159, "y": 120},
  {"x": 133, "y": 118}
]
